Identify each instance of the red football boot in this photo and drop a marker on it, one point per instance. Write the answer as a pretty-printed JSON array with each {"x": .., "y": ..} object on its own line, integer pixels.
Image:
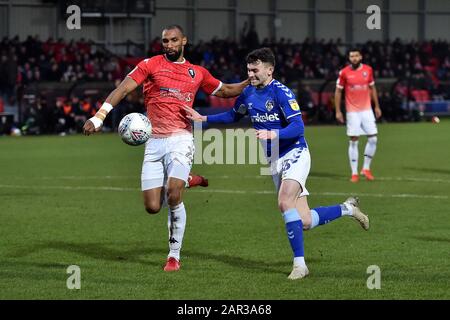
[
  {"x": 355, "y": 178},
  {"x": 195, "y": 180},
  {"x": 172, "y": 264},
  {"x": 368, "y": 174}
]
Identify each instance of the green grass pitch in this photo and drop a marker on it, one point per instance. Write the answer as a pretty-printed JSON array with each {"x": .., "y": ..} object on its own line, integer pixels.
[{"x": 76, "y": 201}]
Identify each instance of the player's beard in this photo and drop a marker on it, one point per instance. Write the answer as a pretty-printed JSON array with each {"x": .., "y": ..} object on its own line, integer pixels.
[
  {"x": 356, "y": 65},
  {"x": 174, "y": 56}
]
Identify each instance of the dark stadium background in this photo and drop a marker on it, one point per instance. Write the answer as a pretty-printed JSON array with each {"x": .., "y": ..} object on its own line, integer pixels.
[{"x": 50, "y": 73}]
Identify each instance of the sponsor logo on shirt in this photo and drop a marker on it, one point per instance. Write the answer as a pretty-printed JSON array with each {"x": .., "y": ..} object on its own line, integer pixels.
[
  {"x": 358, "y": 87},
  {"x": 265, "y": 117},
  {"x": 175, "y": 93}
]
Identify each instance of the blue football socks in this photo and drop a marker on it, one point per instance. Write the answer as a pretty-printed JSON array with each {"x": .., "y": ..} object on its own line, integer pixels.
[
  {"x": 323, "y": 215},
  {"x": 294, "y": 229}
]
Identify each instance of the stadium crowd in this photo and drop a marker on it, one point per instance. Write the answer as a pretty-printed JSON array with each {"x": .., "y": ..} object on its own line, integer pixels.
[{"x": 24, "y": 62}]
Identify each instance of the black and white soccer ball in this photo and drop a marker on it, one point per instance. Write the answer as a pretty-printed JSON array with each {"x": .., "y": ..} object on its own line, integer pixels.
[{"x": 135, "y": 129}]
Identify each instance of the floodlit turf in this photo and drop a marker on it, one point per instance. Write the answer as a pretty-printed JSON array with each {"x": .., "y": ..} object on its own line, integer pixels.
[{"x": 76, "y": 201}]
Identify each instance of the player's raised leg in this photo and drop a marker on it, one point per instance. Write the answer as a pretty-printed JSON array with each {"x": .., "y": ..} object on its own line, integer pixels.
[
  {"x": 323, "y": 215},
  {"x": 195, "y": 180},
  {"x": 287, "y": 195}
]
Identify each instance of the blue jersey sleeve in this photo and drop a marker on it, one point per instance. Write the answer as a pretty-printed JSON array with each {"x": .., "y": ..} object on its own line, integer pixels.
[
  {"x": 291, "y": 112},
  {"x": 239, "y": 110}
]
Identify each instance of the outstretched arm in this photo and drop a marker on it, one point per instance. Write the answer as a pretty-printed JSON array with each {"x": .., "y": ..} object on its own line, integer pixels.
[
  {"x": 224, "y": 117},
  {"x": 230, "y": 90},
  {"x": 95, "y": 123}
]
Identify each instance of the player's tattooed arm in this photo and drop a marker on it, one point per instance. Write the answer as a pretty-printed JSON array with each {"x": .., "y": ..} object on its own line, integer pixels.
[
  {"x": 337, "y": 105},
  {"x": 95, "y": 123},
  {"x": 230, "y": 90},
  {"x": 374, "y": 96}
]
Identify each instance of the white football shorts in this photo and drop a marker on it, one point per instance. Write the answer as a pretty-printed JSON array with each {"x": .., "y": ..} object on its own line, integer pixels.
[
  {"x": 293, "y": 165},
  {"x": 167, "y": 157},
  {"x": 361, "y": 123}
]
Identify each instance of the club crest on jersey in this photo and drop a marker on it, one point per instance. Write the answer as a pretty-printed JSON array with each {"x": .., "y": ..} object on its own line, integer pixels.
[
  {"x": 191, "y": 73},
  {"x": 269, "y": 105},
  {"x": 364, "y": 74},
  {"x": 294, "y": 105}
]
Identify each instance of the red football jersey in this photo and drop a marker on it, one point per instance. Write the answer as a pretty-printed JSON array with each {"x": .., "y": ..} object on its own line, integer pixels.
[
  {"x": 356, "y": 85},
  {"x": 168, "y": 87}
]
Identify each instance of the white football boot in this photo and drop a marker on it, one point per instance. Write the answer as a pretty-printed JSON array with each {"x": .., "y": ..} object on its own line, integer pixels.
[
  {"x": 357, "y": 214},
  {"x": 298, "y": 272}
]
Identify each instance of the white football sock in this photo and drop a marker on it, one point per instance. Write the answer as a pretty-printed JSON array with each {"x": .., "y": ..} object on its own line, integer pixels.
[
  {"x": 299, "y": 261},
  {"x": 353, "y": 156},
  {"x": 369, "y": 152},
  {"x": 346, "y": 209},
  {"x": 176, "y": 224}
]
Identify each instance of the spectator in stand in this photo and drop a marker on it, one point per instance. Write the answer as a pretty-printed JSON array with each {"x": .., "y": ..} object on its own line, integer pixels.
[{"x": 304, "y": 98}]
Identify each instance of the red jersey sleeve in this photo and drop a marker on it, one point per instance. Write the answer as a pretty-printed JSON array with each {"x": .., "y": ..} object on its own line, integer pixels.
[
  {"x": 340, "y": 83},
  {"x": 209, "y": 84},
  {"x": 141, "y": 71}
]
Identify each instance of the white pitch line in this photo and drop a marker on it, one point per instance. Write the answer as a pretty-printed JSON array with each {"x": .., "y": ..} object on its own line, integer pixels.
[
  {"x": 226, "y": 191},
  {"x": 226, "y": 177},
  {"x": 87, "y": 188}
]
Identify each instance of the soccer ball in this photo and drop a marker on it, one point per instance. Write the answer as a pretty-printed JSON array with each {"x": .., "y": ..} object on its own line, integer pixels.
[{"x": 135, "y": 129}]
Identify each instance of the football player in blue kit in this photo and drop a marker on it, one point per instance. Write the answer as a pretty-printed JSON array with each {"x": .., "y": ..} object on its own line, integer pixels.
[{"x": 276, "y": 116}]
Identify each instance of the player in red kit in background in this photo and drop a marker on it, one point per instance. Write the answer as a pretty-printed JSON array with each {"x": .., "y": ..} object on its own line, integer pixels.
[
  {"x": 358, "y": 83},
  {"x": 170, "y": 84}
]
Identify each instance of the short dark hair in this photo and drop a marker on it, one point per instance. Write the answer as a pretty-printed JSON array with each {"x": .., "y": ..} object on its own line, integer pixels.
[
  {"x": 174, "y": 26},
  {"x": 354, "y": 49},
  {"x": 264, "y": 54}
]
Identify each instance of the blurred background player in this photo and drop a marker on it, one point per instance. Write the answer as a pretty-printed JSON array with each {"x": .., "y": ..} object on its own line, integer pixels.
[
  {"x": 276, "y": 116},
  {"x": 170, "y": 84},
  {"x": 359, "y": 85}
]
